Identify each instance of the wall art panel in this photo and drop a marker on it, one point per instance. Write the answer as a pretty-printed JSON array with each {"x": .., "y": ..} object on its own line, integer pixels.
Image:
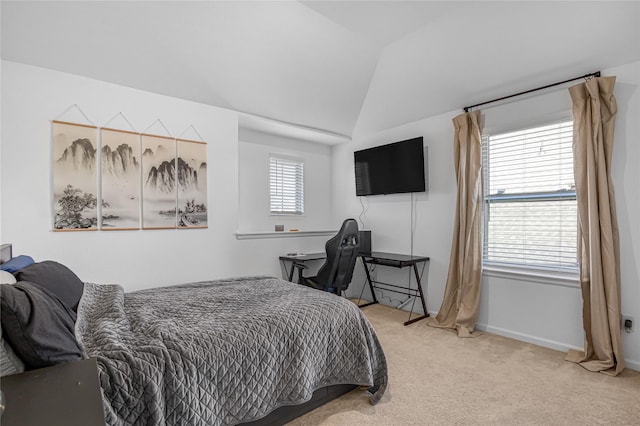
[
  {"x": 74, "y": 170},
  {"x": 192, "y": 184},
  {"x": 120, "y": 179},
  {"x": 158, "y": 182}
]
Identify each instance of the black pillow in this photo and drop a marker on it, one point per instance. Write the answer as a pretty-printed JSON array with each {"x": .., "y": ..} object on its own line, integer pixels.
[
  {"x": 38, "y": 326},
  {"x": 56, "y": 278}
]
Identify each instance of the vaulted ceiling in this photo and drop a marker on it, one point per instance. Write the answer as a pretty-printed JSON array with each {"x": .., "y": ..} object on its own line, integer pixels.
[{"x": 337, "y": 66}]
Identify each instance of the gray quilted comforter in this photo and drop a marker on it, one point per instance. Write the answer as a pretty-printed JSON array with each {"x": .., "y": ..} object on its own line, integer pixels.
[{"x": 223, "y": 352}]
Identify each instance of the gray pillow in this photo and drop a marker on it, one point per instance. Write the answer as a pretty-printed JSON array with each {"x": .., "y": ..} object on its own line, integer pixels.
[
  {"x": 38, "y": 326},
  {"x": 56, "y": 278}
]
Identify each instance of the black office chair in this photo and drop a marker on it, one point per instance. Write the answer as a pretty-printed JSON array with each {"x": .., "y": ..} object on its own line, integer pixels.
[{"x": 342, "y": 251}]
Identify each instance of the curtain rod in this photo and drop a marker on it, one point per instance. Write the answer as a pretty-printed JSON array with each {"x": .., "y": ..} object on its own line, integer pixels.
[{"x": 586, "y": 76}]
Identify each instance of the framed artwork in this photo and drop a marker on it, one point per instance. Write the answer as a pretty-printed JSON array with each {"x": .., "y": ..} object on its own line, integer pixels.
[
  {"x": 74, "y": 170},
  {"x": 120, "y": 151},
  {"x": 158, "y": 182},
  {"x": 192, "y": 184}
]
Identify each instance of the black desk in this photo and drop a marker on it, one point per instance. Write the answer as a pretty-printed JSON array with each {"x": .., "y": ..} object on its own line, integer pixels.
[
  {"x": 369, "y": 261},
  {"x": 299, "y": 258},
  {"x": 399, "y": 261}
]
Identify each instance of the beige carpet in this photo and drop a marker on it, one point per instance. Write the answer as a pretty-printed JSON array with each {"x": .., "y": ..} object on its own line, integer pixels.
[{"x": 437, "y": 379}]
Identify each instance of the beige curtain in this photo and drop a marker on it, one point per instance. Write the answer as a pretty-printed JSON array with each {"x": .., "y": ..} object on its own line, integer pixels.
[
  {"x": 459, "y": 309},
  {"x": 594, "y": 113}
]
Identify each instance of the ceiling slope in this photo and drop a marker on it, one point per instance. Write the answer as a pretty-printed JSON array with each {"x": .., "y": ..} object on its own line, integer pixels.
[
  {"x": 479, "y": 51},
  {"x": 276, "y": 59},
  {"x": 330, "y": 66}
]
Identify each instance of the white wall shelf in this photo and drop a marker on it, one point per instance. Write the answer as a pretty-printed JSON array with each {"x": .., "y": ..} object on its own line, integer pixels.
[{"x": 285, "y": 234}]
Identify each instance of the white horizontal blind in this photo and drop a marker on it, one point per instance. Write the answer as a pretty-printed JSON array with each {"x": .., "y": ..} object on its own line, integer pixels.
[
  {"x": 286, "y": 178},
  {"x": 530, "y": 213}
]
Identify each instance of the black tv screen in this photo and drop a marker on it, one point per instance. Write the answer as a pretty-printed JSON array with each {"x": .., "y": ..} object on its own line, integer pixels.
[{"x": 390, "y": 169}]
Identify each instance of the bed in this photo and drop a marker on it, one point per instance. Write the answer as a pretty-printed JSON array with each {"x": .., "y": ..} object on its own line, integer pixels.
[{"x": 249, "y": 350}]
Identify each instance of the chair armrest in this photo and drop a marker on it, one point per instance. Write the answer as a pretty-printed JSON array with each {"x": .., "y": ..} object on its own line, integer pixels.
[{"x": 300, "y": 267}]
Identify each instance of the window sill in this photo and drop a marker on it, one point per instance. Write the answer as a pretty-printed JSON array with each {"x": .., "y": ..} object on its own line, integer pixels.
[
  {"x": 283, "y": 234},
  {"x": 557, "y": 278}
]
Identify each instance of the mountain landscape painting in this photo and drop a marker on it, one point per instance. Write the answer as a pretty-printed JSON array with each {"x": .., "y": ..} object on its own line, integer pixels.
[
  {"x": 120, "y": 179},
  {"x": 158, "y": 182},
  {"x": 192, "y": 184},
  {"x": 74, "y": 168}
]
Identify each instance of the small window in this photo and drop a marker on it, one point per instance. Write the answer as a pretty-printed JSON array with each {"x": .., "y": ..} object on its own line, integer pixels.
[
  {"x": 286, "y": 177},
  {"x": 530, "y": 212}
]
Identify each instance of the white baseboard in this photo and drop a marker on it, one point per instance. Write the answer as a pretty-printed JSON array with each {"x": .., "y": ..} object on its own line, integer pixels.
[
  {"x": 547, "y": 343},
  {"x": 552, "y": 344},
  {"x": 634, "y": 365}
]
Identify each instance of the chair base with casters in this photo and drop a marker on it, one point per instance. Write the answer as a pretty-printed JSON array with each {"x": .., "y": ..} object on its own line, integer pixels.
[{"x": 335, "y": 274}]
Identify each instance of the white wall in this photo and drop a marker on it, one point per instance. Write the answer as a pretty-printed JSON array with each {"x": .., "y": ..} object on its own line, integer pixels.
[
  {"x": 32, "y": 96},
  {"x": 542, "y": 313},
  {"x": 254, "y": 214},
  {"x": 626, "y": 176},
  {"x": 389, "y": 216},
  {"x": 1, "y": 97}
]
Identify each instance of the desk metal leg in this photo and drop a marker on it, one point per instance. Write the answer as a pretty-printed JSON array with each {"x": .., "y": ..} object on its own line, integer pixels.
[
  {"x": 290, "y": 272},
  {"x": 424, "y": 304},
  {"x": 373, "y": 293}
]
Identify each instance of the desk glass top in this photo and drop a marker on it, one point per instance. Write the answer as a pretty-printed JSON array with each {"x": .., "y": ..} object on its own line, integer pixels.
[
  {"x": 394, "y": 257},
  {"x": 303, "y": 257}
]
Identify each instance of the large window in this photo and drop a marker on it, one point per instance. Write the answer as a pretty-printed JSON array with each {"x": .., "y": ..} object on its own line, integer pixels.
[
  {"x": 530, "y": 213},
  {"x": 286, "y": 177}
]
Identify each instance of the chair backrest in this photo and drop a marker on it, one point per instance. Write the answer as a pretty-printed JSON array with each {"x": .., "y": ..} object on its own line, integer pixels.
[{"x": 342, "y": 252}]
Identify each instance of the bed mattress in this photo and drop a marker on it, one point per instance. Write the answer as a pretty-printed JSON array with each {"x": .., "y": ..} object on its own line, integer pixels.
[{"x": 223, "y": 352}]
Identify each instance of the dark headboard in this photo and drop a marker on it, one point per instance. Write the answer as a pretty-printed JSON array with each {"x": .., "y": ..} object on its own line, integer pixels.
[{"x": 5, "y": 253}]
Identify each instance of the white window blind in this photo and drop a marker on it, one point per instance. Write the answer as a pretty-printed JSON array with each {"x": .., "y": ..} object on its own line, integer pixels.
[
  {"x": 530, "y": 213},
  {"x": 286, "y": 178}
]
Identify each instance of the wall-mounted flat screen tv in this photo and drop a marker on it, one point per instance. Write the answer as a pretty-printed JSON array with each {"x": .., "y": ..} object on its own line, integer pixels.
[{"x": 390, "y": 169}]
